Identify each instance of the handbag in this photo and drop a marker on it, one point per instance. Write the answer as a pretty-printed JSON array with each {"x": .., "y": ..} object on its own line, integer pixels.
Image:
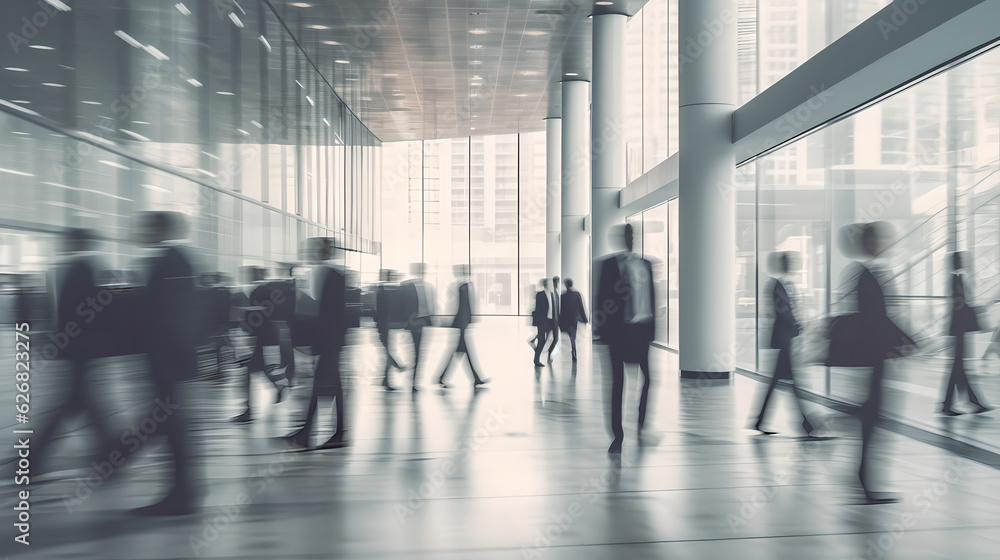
[{"x": 847, "y": 342}]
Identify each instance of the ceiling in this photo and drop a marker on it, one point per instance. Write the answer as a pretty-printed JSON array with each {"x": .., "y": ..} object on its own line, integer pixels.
[{"x": 409, "y": 69}]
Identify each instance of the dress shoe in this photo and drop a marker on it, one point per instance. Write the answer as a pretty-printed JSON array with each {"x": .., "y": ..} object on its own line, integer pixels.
[
  {"x": 336, "y": 442},
  {"x": 178, "y": 502},
  {"x": 482, "y": 382},
  {"x": 616, "y": 447},
  {"x": 297, "y": 439},
  {"x": 242, "y": 418},
  {"x": 876, "y": 498},
  {"x": 760, "y": 429}
]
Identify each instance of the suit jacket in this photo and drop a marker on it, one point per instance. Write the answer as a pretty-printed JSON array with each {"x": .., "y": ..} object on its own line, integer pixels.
[
  {"x": 963, "y": 317},
  {"x": 463, "y": 316},
  {"x": 881, "y": 337},
  {"x": 411, "y": 304},
  {"x": 786, "y": 327},
  {"x": 612, "y": 301},
  {"x": 332, "y": 319},
  {"x": 540, "y": 316},
  {"x": 383, "y": 308},
  {"x": 170, "y": 315},
  {"x": 571, "y": 310},
  {"x": 77, "y": 286}
]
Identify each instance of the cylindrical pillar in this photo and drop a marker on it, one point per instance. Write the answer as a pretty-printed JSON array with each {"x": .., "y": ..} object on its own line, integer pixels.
[
  {"x": 707, "y": 196},
  {"x": 575, "y": 181},
  {"x": 607, "y": 126},
  {"x": 553, "y": 196}
]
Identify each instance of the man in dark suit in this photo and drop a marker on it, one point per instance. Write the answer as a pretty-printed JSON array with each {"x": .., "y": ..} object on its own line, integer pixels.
[
  {"x": 626, "y": 304},
  {"x": 557, "y": 304},
  {"x": 260, "y": 321},
  {"x": 73, "y": 279},
  {"x": 170, "y": 311},
  {"x": 386, "y": 295},
  {"x": 418, "y": 300},
  {"x": 786, "y": 327},
  {"x": 571, "y": 313},
  {"x": 541, "y": 318},
  {"x": 329, "y": 288},
  {"x": 463, "y": 318}
]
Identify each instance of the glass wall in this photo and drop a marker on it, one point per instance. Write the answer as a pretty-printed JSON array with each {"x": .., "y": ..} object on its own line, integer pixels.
[
  {"x": 212, "y": 111},
  {"x": 476, "y": 201},
  {"x": 926, "y": 160},
  {"x": 656, "y": 240}
]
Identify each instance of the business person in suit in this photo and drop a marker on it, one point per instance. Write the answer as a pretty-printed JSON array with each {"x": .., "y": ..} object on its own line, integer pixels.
[
  {"x": 554, "y": 326},
  {"x": 418, "y": 298},
  {"x": 73, "y": 279},
  {"x": 571, "y": 313},
  {"x": 881, "y": 339},
  {"x": 541, "y": 318},
  {"x": 385, "y": 299},
  {"x": 626, "y": 301},
  {"x": 170, "y": 316},
  {"x": 329, "y": 286},
  {"x": 963, "y": 320},
  {"x": 463, "y": 318},
  {"x": 786, "y": 328}
]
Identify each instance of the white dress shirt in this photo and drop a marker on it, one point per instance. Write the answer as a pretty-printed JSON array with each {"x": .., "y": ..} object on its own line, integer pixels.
[{"x": 636, "y": 275}]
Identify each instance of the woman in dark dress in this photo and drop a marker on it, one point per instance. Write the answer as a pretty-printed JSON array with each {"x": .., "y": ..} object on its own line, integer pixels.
[{"x": 963, "y": 320}]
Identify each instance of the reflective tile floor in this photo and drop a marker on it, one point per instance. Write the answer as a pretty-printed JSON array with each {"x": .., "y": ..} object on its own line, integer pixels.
[{"x": 517, "y": 470}]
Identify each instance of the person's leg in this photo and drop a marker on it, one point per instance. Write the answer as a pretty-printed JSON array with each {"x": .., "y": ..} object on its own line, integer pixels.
[
  {"x": 88, "y": 404},
  {"x": 617, "y": 390},
  {"x": 869, "y": 414},
  {"x": 644, "y": 395},
  {"x": 962, "y": 376},
  {"x": 780, "y": 371},
  {"x": 383, "y": 337},
  {"x": 571, "y": 333},
  {"x": 47, "y": 434},
  {"x": 957, "y": 371},
  {"x": 417, "y": 333},
  {"x": 463, "y": 348},
  {"x": 554, "y": 327},
  {"x": 541, "y": 344},
  {"x": 338, "y": 396}
]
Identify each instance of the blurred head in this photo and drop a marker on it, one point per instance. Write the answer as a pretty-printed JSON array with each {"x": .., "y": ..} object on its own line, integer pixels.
[
  {"x": 157, "y": 227},
  {"x": 461, "y": 271},
  {"x": 384, "y": 275},
  {"x": 544, "y": 283},
  {"x": 79, "y": 239},
  {"x": 958, "y": 261},
  {"x": 784, "y": 262},
  {"x": 876, "y": 237},
  {"x": 555, "y": 281},
  {"x": 417, "y": 270},
  {"x": 621, "y": 237},
  {"x": 569, "y": 283},
  {"x": 319, "y": 249}
]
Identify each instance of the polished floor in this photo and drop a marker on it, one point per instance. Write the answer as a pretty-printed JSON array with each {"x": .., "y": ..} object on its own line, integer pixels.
[{"x": 518, "y": 470}]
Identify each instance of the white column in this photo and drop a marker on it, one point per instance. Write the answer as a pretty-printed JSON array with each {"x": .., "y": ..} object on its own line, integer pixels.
[
  {"x": 707, "y": 39},
  {"x": 575, "y": 182},
  {"x": 553, "y": 197},
  {"x": 608, "y": 121}
]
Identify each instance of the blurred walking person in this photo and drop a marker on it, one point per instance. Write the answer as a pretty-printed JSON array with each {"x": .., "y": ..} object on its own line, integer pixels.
[
  {"x": 169, "y": 313},
  {"x": 963, "y": 320},
  {"x": 463, "y": 318},
  {"x": 542, "y": 318},
  {"x": 627, "y": 300},
  {"x": 75, "y": 335},
  {"x": 386, "y": 302},
  {"x": 418, "y": 298},
  {"x": 786, "y": 328},
  {"x": 329, "y": 285},
  {"x": 571, "y": 313},
  {"x": 554, "y": 325}
]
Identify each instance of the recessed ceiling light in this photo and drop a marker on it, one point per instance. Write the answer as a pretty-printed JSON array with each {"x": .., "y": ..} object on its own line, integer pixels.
[
  {"x": 263, "y": 41},
  {"x": 475, "y": 46},
  {"x": 353, "y": 79},
  {"x": 311, "y": 101},
  {"x": 325, "y": 121},
  {"x": 21, "y": 102},
  {"x": 154, "y": 188},
  {"x": 241, "y": 131},
  {"x": 535, "y": 32},
  {"x": 225, "y": 93},
  {"x": 135, "y": 135},
  {"x": 52, "y": 84},
  {"x": 16, "y": 69},
  {"x": 90, "y": 102},
  {"x": 472, "y": 128},
  {"x": 194, "y": 82},
  {"x": 128, "y": 39},
  {"x": 301, "y": 5},
  {"x": 42, "y": 47},
  {"x": 139, "y": 122},
  {"x": 572, "y": 74},
  {"x": 19, "y": 133},
  {"x": 155, "y": 52},
  {"x": 235, "y": 19},
  {"x": 332, "y": 43},
  {"x": 477, "y": 31},
  {"x": 342, "y": 61},
  {"x": 520, "y": 95},
  {"x": 13, "y": 172},
  {"x": 298, "y": 83},
  {"x": 604, "y": 3},
  {"x": 316, "y": 26},
  {"x": 114, "y": 164},
  {"x": 182, "y": 8},
  {"x": 213, "y": 156},
  {"x": 257, "y": 124}
]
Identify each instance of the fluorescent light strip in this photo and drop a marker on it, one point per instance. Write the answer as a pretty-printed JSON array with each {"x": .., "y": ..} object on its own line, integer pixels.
[
  {"x": 157, "y": 54},
  {"x": 135, "y": 135},
  {"x": 194, "y": 82},
  {"x": 128, "y": 39},
  {"x": 264, "y": 42},
  {"x": 13, "y": 172},
  {"x": 59, "y": 5},
  {"x": 114, "y": 164},
  {"x": 182, "y": 8},
  {"x": 235, "y": 19}
]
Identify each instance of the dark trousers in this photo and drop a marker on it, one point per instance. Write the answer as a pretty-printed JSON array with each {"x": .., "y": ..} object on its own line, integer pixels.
[
  {"x": 462, "y": 351},
  {"x": 868, "y": 413},
  {"x": 571, "y": 334},
  {"x": 540, "y": 338},
  {"x": 79, "y": 400},
  {"x": 782, "y": 370},
  {"x": 327, "y": 372},
  {"x": 256, "y": 363},
  {"x": 383, "y": 337},
  {"x": 174, "y": 428},
  {"x": 618, "y": 358},
  {"x": 958, "y": 380},
  {"x": 554, "y": 329},
  {"x": 417, "y": 332}
]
